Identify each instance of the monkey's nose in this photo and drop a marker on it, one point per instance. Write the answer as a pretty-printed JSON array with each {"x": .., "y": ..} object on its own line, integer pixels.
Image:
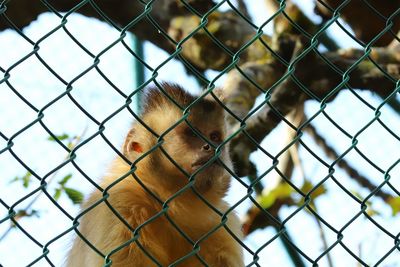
[{"x": 206, "y": 147}]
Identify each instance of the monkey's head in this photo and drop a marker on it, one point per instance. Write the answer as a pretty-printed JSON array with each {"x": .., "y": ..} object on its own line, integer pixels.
[{"x": 188, "y": 147}]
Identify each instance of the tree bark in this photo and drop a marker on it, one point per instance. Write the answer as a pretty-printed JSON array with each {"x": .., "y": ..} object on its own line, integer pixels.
[{"x": 212, "y": 42}]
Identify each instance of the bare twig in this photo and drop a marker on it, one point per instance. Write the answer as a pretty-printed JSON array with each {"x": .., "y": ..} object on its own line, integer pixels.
[
  {"x": 352, "y": 172},
  {"x": 294, "y": 153},
  {"x": 254, "y": 219},
  {"x": 243, "y": 9}
]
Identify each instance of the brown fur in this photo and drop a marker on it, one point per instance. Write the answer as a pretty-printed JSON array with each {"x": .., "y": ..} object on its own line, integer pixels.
[{"x": 143, "y": 212}]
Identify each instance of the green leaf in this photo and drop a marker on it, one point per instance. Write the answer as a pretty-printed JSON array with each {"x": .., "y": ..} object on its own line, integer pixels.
[
  {"x": 26, "y": 179},
  {"x": 59, "y": 137},
  {"x": 57, "y": 194},
  {"x": 65, "y": 179},
  {"x": 394, "y": 203},
  {"x": 73, "y": 194},
  {"x": 16, "y": 178}
]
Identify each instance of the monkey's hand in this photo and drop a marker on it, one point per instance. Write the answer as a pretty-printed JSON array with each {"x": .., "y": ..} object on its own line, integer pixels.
[
  {"x": 225, "y": 251},
  {"x": 232, "y": 261}
]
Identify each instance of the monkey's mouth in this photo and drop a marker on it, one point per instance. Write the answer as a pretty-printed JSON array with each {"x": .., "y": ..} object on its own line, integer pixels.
[{"x": 204, "y": 160}]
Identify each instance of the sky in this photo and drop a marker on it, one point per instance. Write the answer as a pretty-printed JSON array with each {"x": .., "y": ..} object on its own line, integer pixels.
[{"x": 37, "y": 84}]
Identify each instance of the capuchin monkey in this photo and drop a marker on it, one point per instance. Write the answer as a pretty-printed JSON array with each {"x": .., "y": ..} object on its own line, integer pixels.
[{"x": 148, "y": 194}]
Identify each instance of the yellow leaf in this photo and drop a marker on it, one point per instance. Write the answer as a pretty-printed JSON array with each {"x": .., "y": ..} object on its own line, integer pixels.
[
  {"x": 281, "y": 191},
  {"x": 266, "y": 200},
  {"x": 394, "y": 203},
  {"x": 308, "y": 186}
]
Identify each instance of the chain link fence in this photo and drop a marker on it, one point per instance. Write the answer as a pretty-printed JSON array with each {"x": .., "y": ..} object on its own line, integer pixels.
[{"x": 313, "y": 118}]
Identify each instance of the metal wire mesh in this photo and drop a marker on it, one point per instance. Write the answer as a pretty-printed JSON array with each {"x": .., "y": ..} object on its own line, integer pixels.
[{"x": 292, "y": 71}]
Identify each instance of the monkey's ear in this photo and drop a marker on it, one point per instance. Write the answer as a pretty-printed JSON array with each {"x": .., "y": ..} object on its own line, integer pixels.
[{"x": 131, "y": 146}]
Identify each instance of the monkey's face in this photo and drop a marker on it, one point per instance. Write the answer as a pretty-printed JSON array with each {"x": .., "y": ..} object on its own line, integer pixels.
[
  {"x": 192, "y": 149},
  {"x": 197, "y": 148}
]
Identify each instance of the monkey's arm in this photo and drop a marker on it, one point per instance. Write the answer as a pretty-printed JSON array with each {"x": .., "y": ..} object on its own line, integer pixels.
[
  {"x": 226, "y": 251},
  {"x": 102, "y": 228}
]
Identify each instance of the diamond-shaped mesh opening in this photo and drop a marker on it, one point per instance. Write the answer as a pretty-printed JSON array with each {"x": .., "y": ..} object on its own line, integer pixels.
[{"x": 311, "y": 96}]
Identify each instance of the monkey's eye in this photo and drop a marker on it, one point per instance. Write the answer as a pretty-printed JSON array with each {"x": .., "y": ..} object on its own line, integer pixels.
[
  {"x": 216, "y": 136},
  {"x": 189, "y": 132}
]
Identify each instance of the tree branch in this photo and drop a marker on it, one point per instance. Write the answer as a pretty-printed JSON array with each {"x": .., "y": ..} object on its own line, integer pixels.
[{"x": 320, "y": 79}]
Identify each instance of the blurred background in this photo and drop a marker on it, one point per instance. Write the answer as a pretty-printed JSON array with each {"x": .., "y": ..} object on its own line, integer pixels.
[{"x": 319, "y": 188}]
